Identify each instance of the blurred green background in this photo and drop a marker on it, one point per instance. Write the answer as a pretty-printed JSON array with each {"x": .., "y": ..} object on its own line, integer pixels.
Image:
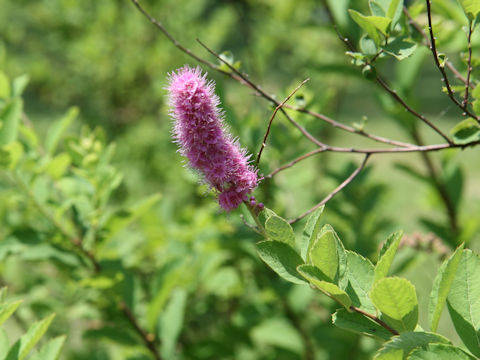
[{"x": 107, "y": 59}]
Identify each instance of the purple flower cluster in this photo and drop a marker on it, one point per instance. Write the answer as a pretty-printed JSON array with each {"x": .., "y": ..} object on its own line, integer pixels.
[{"x": 202, "y": 137}]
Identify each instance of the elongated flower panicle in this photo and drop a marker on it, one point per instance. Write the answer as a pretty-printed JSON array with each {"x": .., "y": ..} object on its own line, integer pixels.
[{"x": 202, "y": 137}]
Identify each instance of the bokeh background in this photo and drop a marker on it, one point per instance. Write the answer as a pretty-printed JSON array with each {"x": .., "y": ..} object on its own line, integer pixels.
[{"x": 105, "y": 58}]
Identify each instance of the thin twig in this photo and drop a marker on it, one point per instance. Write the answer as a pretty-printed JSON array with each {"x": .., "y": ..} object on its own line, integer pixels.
[
  {"x": 74, "y": 240},
  {"x": 383, "y": 83},
  {"x": 439, "y": 185},
  {"x": 255, "y": 87},
  {"x": 147, "y": 338},
  {"x": 448, "y": 63},
  {"x": 350, "y": 129},
  {"x": 433, "y": 48},
  {"x": 469, "y": 65},
  {"x": 293, "y": 162},
  {"x": 279, "y": 106},
  {"x": 247, "y": 224},
  {"x": 160, "y": 26},
  {"x": 397, "y": 97},
  {"x": 335, "y": 191},
  {"x": 376, "y": 319}
]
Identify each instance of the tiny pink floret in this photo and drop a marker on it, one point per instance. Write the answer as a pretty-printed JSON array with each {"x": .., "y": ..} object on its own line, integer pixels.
[{"x": 202, "y": 137}]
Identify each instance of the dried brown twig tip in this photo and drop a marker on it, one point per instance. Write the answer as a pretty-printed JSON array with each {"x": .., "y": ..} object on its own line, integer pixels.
[{"x": 279, "y": 106}]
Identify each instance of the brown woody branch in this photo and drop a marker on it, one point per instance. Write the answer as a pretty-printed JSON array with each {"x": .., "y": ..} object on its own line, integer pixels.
[
  {"x": 448, "y": 63},
  {"x": 334, "y": 192},
  {"x": 433, "y": 48}
]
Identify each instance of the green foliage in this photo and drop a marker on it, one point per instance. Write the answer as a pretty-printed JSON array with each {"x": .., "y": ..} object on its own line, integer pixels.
[
  {"x": 105, "y": 228},
  {"x": 370, "y": 293},
  {"x": 27, "y": 342}
]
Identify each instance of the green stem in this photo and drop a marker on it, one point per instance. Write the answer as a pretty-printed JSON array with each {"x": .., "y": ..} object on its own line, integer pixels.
[{"x": 261, "y": 229}]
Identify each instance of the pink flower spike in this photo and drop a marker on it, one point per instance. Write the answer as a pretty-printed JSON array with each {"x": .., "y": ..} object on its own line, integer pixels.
[{"x": 202, "y": 137}]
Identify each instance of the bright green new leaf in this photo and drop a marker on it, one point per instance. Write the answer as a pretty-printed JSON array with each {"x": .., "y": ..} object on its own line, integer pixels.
[
  {"x": 11, "y": 154},
  {"x": 439, "y": 352},
  {"x": 387, "y": 253},
  {"x": 396, "y": 299},
  {"x": 322, "y": 253},
  {"x": 282, "y": 259},
  {"x": 4, "y": 86},
  {"x": 366, "y": 25},
  {"x": 58, "y": 128},
  {"x": 310, "y": 231},
  {"x": 464, "y": 301},
  {"x": 471, "y": 8},
  {"x": 320, "y": 281},
  {"x": 400, "y": 346},
  {"x": 6, "y": 310},
  {"x": 51, "y": 350},
  {"x": 26, "y": 343},
  {"x": 278, "y": 229},
  {"x": 358, "y": 323},
  {"x": 10, "y": 121},
  {"x": 466, "y": 131},
  {"x": 371, "y": 24},
  {"x": 360, "y": 273},
  {"x": 441, "y": 286}
]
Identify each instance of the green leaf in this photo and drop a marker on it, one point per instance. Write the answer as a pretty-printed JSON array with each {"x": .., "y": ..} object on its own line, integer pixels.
[
  {"x": 171, "y": 322},
  {"x": 397, "y": 301},
  {"x": 10, "y": 121},
  {"x": 51, "y": 350},
  {"x": 320, "y": 281},
  {"x": 476, "y": 106},
  {"x": 26, "y": 343},
  {"x": 358, "y": 323},
  {"x": 471, "y": 8},
  {"x": 19, "y": 84},
  {"x": 278, "y": 229},
  {"x": 367, "y": 46},
  {"x": 466, "y": 131},
  {"x": 322, "y": 253},
  {"x": 463, "y": 301},
  {"x": 124, "y": 217},
  {"x": 282, "y": 259},
  {"x": 399, "y": 48},
  {"x": 441, "y": 286},
  {"x": 376, "y": 9},
  {"x": 371, "y": 24},
  {"x": 58, "y": 128},
  {"x": 476, "y": 92},
  {"x": 4, "y": 86},
  {"x": 439, "y": 352},
  {"x": 400, "y": 346},
  {"x": 4, "y": 344},
  {"x": 387, "y": 253},
  {"x": 394, "y": 11},
  {"x": 310, "y": 231},
  {"x": 6, "y": 310},
  {"x": 360, "y": 273}
]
